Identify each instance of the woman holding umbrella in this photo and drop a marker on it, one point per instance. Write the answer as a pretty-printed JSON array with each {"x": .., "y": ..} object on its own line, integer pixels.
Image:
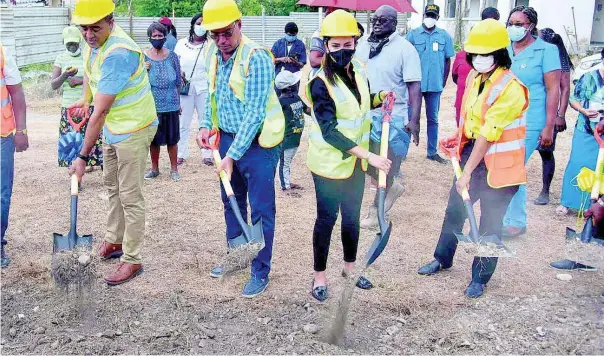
[
  {"x": 490, "y": 144},
  {"x": 338, "y": 151}
]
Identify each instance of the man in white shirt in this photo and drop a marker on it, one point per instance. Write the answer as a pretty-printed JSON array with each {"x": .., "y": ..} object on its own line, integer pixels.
[{"x": 14, "y": 134}]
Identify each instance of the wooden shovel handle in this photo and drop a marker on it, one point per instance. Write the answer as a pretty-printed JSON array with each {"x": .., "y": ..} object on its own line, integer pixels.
[
  {"x": 465, "y": 195},
  {"x": 384, "y": 152},
  {"x": 74, "y": 185},
  {"x": 223, "y": 177}
]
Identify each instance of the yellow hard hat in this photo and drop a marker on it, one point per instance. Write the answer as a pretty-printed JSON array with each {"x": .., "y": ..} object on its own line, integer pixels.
[
  {"x": 71, "y": 34},
  {"x": 219, "y": 14},
  {"x": 487, "y": 36},
  {"x": 87, "y": 12},
  {"x": 339, "y": 24}
]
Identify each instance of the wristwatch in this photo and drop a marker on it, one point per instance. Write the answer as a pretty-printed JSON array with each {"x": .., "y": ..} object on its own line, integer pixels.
[
  {"x": 24, "y": 131},
  {"x": 83, "y": 157}
]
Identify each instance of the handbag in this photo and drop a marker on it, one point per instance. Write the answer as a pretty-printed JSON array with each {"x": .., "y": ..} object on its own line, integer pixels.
[{"x": 186, "y": 85}]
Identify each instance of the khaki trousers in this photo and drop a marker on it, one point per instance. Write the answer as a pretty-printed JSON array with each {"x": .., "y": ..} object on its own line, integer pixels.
[{"x": 124, "y": 168}]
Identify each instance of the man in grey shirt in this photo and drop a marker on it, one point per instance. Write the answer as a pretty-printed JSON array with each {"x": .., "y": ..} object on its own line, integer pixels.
[{"x": 392, "y": 65}]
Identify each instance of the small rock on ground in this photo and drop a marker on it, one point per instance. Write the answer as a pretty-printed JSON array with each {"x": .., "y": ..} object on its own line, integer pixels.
[
  {"x": 564, "y": 277},
  {"x": 12, "y": 332},
  {"x": 311, "y": 328},
  {"x": 391, "y": 330}
]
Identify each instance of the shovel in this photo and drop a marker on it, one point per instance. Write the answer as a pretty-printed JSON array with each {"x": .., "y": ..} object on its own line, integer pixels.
[
  {"x": 251, "y": 234},
  {"x": 586, "y": 235},
  {"x": 381, "y": 238},
  {"x": 481, "y": 246},
  {"x": 72, "y": 239}
]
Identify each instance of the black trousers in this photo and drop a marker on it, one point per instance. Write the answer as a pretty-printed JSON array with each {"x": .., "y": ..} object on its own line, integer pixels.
[
  {"x": 374, "y": 147},
  {"x": 334, "y": 195},
  {"x": 493, "y": 205}
]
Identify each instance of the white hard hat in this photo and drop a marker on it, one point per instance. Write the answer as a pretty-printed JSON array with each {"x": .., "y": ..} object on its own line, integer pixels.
[{"x": 286, "y": 79}]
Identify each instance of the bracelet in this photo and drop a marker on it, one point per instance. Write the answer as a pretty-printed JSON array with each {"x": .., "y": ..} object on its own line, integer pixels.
[
  {"x": 83, "y": 157},
  {"x": 368, "y": 155},
  {"x": 600, "y": 202},
  {"x": 24, "y": 131}
]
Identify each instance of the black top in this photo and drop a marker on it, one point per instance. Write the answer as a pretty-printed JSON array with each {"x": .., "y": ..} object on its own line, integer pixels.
[
  {"x": 293, "y": 110},
  {"x": 325, "y": 111}
]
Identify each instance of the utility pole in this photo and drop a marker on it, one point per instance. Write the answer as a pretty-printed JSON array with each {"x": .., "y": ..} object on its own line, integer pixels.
[{"x": 459, "y": 21}]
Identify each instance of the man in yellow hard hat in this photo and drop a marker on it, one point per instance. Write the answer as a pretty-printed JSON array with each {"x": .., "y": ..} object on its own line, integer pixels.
[
  {"x": 116, "y": 81},
  {"x": 243, "y": 105}
]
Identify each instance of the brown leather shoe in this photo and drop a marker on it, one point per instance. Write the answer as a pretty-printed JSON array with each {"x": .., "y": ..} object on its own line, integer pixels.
[
  {"x": 123, "y": 273},
  {"x": 108, "y": 250}
]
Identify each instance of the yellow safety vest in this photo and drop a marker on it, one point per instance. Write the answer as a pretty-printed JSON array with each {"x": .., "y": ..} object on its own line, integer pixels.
[
  {"x": 505, "y": 158},
  {"x": 134, "y": 107},
  {"x": 273, "y": 127},
  {"x": 354, "y": 122},
  {"x": 8, "y": 118}
]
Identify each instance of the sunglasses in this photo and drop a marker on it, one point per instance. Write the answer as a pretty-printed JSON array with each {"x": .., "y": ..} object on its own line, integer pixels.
[{"x": 381, "y": 20}]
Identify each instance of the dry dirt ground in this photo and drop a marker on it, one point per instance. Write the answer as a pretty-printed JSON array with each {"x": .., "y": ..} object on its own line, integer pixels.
[{"x": 175, "y": 307}]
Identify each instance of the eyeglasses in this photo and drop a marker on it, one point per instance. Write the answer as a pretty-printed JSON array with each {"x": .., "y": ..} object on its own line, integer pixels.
[
  {"x": 226, "y": 34},
  {"x": 381, "y": 19}
]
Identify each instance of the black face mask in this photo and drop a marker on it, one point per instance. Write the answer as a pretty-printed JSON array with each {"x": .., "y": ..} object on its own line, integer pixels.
[
  {"x": 157, "y": 44},
  {"x": 342, "y": 57}
]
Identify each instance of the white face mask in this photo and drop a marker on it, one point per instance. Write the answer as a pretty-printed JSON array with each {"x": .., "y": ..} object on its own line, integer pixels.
[
  {"x": 76, "y": 53},
  {"x": 199, "y": 30},
  {"x": 483, "y": 64},
  {"x": 429, "y": 22}
]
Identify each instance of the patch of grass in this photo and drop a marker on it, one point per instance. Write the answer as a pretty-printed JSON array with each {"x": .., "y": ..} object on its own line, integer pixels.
[{"x": 40, "y": 67}]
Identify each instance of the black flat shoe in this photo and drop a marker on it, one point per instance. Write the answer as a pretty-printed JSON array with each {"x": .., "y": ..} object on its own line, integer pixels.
[
  {"x": 319, "y": 293},
  {"x": 362, "y": 282},
  {"x": 430, "y": 268}
]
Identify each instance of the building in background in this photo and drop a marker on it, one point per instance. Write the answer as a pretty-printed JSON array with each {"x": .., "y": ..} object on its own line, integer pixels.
[{"x": 555, "y": 14}]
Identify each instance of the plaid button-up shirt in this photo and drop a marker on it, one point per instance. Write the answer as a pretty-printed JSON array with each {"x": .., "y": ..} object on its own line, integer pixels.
[{"x": 245, "y": 118}]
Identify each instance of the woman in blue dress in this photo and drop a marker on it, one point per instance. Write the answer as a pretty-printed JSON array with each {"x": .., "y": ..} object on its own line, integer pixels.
[
  {"x": 537, "y": 64},
  {"x": 588, "y": 100}
]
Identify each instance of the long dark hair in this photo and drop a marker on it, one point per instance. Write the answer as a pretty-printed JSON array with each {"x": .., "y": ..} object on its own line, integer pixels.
[
  {"x": 172, "y": 30},
  {"x": 192, "y": 29},
  {"x": 549, "y": 36}
]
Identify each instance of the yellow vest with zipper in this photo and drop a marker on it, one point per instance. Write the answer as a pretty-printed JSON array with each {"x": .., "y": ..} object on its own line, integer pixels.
[
  {"x": 354, "y": 123},
  {"x": 134, "y": 107},
  {"x": 273, "y": 127}
]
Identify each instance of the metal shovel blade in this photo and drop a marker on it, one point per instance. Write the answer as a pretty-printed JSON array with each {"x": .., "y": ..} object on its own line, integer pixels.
[
  {"x": 381, "y": 238},
  {"x": 72, "y": 239},
  {"x": 572, "y": 236},
  {"x": 484, "y": 246},
  {"x": 250, "y": 234}
]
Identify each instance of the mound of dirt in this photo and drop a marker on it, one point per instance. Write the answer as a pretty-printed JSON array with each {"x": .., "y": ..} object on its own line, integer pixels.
[
  {"x": 73, "y": 271},
  {"x": 239, "y": 257}
]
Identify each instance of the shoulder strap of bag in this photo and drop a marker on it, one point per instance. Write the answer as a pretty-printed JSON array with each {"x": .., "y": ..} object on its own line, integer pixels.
[{"x": 195, "y": 65}]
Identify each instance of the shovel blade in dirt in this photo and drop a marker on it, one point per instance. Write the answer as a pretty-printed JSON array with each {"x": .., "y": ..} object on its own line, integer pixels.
[
  {"x": 485, "y": 246},
  {"x": 571, "y": 235},
  {"x": 382, "y": 237},
  {"x": 72, "y": 239}
]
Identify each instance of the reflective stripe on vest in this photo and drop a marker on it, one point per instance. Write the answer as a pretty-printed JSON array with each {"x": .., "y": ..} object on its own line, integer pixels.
[
  {"x": 134, "y": 107},
  {"x": 353, "y": 122},
  {"x": 504, "y": 158},
  {"x": 273, "y": 127},
  {"x": 8, "y": 125}
]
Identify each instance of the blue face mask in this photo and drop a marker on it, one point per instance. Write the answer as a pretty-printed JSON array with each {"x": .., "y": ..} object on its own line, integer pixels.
[
  {"x": 516, "y": 33},
  {"x": 290, "y": 38}
]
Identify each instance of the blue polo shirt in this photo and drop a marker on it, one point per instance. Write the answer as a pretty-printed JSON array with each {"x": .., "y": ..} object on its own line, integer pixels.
[
  {"x": 433, "y": 48},
  {"x": 529, "y": 66}
]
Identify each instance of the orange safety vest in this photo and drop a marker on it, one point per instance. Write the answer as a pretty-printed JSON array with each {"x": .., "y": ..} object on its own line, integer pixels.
[
  {"x": 8, "y": 119},
  {"x": 505, "y": 158}
]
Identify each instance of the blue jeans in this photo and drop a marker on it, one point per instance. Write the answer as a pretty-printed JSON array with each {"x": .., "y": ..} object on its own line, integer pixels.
[
  {"x": 432, "y": 100},
  {"x": 7, "y": 168},
  {"x": 516, "y": 214},
  {"x": 254, "y": 177}
]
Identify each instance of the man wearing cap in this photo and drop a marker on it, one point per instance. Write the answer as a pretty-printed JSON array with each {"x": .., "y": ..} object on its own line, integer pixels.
[
  {"x": 171, "y": 37},
  {"x": 243, "y": 105},
  {"x": 435, "y": 48},
  {"x": 116, "y": 80},
  {"x": 392, "y": 64},
  {"x": 14, "y": 134},
  {"x": 289, "y": 51}
]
